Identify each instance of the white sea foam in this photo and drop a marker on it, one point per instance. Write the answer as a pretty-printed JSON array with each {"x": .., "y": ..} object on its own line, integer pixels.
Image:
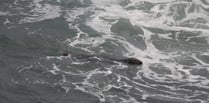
[
  {"x": 41, "y": 12},
  {"x": 160, "y": 68}
]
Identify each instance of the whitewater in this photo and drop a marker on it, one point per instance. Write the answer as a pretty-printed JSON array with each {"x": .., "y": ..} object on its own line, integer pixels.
[{"x": 170, "y": 37}]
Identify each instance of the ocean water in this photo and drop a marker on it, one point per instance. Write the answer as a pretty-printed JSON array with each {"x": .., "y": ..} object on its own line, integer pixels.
[{"x": 170, "y": 37}]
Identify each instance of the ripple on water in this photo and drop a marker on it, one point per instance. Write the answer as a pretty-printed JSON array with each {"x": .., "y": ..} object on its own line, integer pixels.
[{"x": 170, "y": 37}]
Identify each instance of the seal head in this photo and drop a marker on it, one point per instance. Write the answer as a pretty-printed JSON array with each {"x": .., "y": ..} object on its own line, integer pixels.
[{"x": 65, "y": 53}]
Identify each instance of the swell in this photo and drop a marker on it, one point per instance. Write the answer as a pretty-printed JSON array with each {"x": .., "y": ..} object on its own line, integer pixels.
[{"x": 170, "y": 38}]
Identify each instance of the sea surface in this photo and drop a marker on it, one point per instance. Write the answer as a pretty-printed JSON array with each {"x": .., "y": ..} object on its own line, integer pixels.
[{"x": 170, "y": 37}]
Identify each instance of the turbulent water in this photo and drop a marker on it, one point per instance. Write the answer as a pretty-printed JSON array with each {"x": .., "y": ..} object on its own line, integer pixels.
[{"x": 171, "y": 37}]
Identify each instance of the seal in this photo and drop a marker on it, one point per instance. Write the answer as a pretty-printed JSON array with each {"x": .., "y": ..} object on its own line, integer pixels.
[
  {"x": 130, "y": 61},
  {"x": 65, "y": 53}
]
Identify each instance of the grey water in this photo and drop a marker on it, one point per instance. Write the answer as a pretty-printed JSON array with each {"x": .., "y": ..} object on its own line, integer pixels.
[{"x": 170, "y": 37}]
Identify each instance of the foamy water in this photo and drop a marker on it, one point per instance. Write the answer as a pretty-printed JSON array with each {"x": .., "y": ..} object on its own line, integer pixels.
[{"x": 169, "y": 36}]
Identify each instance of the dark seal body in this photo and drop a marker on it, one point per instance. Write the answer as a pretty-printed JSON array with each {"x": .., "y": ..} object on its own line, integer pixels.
[{"x": 130, "y": 61}]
